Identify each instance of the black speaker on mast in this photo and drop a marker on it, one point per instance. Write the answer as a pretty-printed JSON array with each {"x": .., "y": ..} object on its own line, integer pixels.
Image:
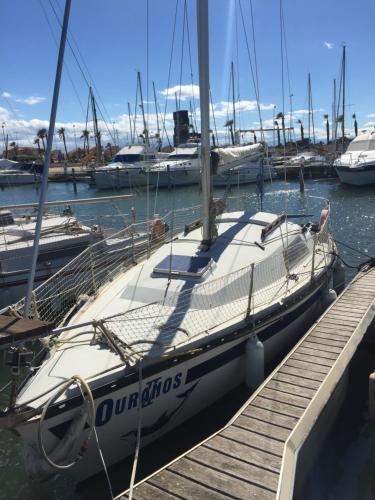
[{"x": 181, "y": 127}]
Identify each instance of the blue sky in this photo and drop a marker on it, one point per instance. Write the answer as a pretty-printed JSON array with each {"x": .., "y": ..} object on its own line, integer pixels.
[{"x": 111, "y": 36}]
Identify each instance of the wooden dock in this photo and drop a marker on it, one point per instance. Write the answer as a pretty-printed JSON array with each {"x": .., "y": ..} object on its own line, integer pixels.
[
  {"x": 14, "y": 330},
  {"x": 255, "y": 454}
]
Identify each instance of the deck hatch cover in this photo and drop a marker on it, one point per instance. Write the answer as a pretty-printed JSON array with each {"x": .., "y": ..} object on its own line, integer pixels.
[{"x": 183, "y": 265}]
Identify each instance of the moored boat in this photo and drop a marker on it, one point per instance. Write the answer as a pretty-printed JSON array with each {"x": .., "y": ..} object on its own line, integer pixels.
[{"x": 357, "y": 165}]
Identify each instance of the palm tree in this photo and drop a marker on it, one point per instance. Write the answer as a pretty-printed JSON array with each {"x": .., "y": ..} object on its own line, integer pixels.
[
  {"x": 14, "y": 146},
  {"x": 327, "y": 127},
  {"x": 61, "y": 134},
  {"x": 85, "y": 136},
  {"x": 37, "y": 142},
  {"x": 355, "y": 124},
  {"x": 278, "y": 133},
  {"x": 42, "y": 134},
  {"x": 301, "y": 127},
  {"x": 278, "y": 117},
  {"x": 109, "y": 146}
]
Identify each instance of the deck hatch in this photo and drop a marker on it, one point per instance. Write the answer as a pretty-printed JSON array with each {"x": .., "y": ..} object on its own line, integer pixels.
[{"x": 183, "y": 265}]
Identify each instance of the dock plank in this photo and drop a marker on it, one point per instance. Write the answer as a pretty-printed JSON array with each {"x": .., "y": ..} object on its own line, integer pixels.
[
  {"x": 260, "y": 427},
  {"x": 277, "y": 406},
  {"x": 294, "y": 389},
  {"x": 305, "y": 365},
  {"x": 245, "y": 452},
  {"x": 329, "y": 345},
  {"x": 255, "y": 440},
  {"x": 303, "y": 374},
  {"x": 329, "y": 335},
  {"x": 316, "y": 351},
  {"x": 13, "y": 329},
  {"x": 180, "y": 486},
  {"x": 235, "y": 466},
  {"x": 316, "y": 360},
  {"x": 271, "y": 417},
  {"x": 147, "y": 490},
  {"x": 282, "y": 397},
  {"x": 220, "y": 480}
]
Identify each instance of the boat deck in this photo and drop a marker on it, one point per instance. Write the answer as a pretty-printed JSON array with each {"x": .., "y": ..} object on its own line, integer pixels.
[{"x": 254, "y": 455}]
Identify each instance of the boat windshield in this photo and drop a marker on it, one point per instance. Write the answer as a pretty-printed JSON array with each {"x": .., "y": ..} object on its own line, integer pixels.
[
  {"x": 362, "y": 145},
  {"x": 182, "y": 156},
  {"x": 126, "y": 158}
]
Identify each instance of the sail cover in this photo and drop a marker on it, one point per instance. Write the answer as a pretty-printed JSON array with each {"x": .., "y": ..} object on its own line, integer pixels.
[{"x": 230, "y": 157}]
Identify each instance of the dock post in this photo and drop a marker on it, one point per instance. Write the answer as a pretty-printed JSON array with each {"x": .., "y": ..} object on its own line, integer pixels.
[
  {"x": 301, "y": 178},
  {"x": 371, "y": 396},
  {"x": 74, "y": 179}
]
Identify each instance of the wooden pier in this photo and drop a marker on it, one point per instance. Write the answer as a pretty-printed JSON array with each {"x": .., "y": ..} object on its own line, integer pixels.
[
  {"x": 255, "y": 455},
  {"x": 15, "y": 330}
]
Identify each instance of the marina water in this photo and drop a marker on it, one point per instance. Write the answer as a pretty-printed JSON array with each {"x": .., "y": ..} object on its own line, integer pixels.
[{"x": 353, "y": 226}]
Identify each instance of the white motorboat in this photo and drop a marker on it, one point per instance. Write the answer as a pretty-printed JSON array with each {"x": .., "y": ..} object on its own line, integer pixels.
[
  {"x": 162, "y": 333},
  {"x": 128, "y": 168},
  {"x": 312, "y": 163},
  {"x": 182, "y": 167},
  {"x": 357, "y": 165}
]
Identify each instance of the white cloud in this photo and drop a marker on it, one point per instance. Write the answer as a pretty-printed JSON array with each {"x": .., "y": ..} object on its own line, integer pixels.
[
  {"x": 224, "y": 108},
  {"x": 4, "y": 114},
  {"x": 184, "y": 92},
  {"x": 328, "y": 45},
  {"x": 31, "y": 100},
  {"x": 371, "y": 115},
  {"x": 6, "y": 95}
]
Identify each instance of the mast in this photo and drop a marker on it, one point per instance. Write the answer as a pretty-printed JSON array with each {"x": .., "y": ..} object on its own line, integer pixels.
[
  {"x": 311, "y": 111},
  {"x": 204, "y": 86},
  {"x": 145, "y": 130},
  {"x": 157, "y": 114},
  {"x": 96, "y": 130},
  {"x": 343, "y": 96},
  {"x": 130, "y": 124},
  {"x": 47, "y": 158},
  {"x": 233, "y": 103},
  {"x": 309, "y": 93},
  {"x": 334, "y": 117}
]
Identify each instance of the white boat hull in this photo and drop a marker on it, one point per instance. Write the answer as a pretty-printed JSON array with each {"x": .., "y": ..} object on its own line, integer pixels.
[
  {"x": 357, "y": 176},
  {"x": 177, "y": 177},
  {"x": 170, "y": 396},
  {"x": 18, "y": 179},
  {"x": 120, "y": 178},
  {"x": 244, "y": 174}
]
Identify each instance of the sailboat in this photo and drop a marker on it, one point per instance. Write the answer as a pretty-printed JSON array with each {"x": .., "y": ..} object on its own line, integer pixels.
[{"x": 170, "y": 330}]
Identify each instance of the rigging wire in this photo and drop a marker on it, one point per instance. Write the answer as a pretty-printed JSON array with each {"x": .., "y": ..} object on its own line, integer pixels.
[
  {"x": 65, "y": 64},
  {"x": 182, "y": 55},
  {"x": 71, "y": 36},
  {"x": 191, "y": 69},
  {"x": 238, "y": 64},
  {"x": 83, "y": 73},
  {"x": 213, "y": 118},
  {"x": 169, "y": 72},
  {"x": 251, "y": 65}
]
